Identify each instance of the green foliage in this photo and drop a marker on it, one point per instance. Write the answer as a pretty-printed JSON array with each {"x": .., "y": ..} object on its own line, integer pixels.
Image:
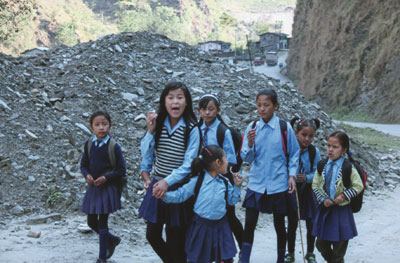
[
  {"x": 54, "y": 197},
  {"x": 13, "y": 14},
  {"x": 261, "y": 27},
  {"x": 65, "y": 33},
  {"x": 227, "y": 20},
  {"x": 344, "y": 113}
]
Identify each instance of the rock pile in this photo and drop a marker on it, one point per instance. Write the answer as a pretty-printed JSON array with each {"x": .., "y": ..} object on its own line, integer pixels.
[{"x": 47, "y": 96}]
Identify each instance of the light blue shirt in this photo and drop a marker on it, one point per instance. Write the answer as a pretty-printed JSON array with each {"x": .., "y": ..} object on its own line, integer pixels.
[
  {"x": 227, "y": 145},
  {"x": 210, "y": 203},
  {"x": 102, "y": 142},
  {"x": 337, "y": 166},
  {"x": 147, "y": 148},
  {"x": 269, "y": 169},
  {"x": 307, "y": 170}
]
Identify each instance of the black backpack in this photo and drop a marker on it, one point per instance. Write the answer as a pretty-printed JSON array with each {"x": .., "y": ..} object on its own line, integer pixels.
[
  {"x": 237, "y": 138},
  {"x": 355, "y": 202},
  {"x": 123, "y": 181}
]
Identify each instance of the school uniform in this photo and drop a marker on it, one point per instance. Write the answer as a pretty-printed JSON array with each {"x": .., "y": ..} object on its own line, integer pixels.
[
  {"x": 209, "y": 237},
  {"x": 171, "y": 161},
  {"x": 334, "y": 225},
  {"x": 270, "y": 169},
  {"x": 106, "y": 198}
]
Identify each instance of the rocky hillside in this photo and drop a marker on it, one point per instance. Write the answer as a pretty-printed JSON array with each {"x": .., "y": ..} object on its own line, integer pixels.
[
  {"x": 347, "y": 53},
  {"x": 46, "y": 98}
]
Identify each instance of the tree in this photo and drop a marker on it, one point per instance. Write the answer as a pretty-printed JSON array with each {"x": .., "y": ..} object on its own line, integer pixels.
[{"x": 12, "y": 15}]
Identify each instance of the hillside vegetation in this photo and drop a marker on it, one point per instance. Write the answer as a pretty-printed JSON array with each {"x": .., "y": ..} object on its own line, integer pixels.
[
  {"x": 49, "y": 23},
  {"x": 346, "y": 55}
]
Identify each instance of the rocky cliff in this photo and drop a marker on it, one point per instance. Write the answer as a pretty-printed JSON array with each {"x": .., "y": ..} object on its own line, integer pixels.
[{"x": 347, "y": 53}]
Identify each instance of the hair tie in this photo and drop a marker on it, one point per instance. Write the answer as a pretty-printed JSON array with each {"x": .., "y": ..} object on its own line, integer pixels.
[
  {"x": 201, "y": 157},
  {"x": 350, "y": 154},
  {"x": 210, "y": 95},
  {"x": 208, "y": 151}
]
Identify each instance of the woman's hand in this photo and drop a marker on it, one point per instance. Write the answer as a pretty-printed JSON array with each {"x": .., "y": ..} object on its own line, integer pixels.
[
  {"x": 151, "y": 121},
  {"x": 99, "y": 181},
  {"x": 160, "y": 189},
  {"x": 237, "y": 179},
  {"x": 251, "y": 135},
  {"x": 328, "y": 203},
  {"x": 292, "y": 184},
  {"x": 89, "y": 179}
]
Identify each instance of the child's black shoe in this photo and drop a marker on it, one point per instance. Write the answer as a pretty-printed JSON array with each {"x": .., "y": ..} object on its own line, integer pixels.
[
  {"x": 99, "y": 260},
  {"x": 289, "y": 258},
  {"x": 310, "y": 257}
]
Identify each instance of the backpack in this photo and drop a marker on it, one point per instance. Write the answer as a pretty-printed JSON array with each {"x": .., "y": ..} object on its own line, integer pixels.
[
  {"x": 123, "y": 181},
  {"x": 355, "y": 202},
  {"x": 237, "y": 138}
]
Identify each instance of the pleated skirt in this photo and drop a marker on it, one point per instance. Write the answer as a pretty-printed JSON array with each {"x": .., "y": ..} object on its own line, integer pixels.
[
  {"x": 274, "y": 203},
  {"x": 209, "y": 240},
  {"x": 335, "y": 223},
  {"x": 104, "y": 199},
  {"x": 308, "y": 202},
  {"x": 157, "y": 211}
]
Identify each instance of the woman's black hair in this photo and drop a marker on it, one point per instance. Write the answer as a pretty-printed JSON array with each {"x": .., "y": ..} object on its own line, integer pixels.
[
  {"x": 207, "y": 156},
  {"x": 343, "y": 140},
  {"x": 270, "y": 93},
  {"x": 100, "y": 113},
  {"x": 203, "y": 103},
  {"x": 188, "y": 114},
  {"x": 298, "y": 124}
]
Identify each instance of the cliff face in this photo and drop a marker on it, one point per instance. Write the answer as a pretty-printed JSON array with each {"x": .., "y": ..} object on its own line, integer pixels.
[{"x": 347, "y": 53}]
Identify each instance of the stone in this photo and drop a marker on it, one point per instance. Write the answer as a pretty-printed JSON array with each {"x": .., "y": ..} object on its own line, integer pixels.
[
  {"x": 17, "y": 210},
  {"x": 42, "y": 219},
  {"x": 34, "y": 234}
]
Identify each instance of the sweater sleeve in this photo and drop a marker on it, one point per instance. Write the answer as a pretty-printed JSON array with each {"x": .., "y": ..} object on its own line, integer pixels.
[
  {"x": 356, "y": 185},
  {"x": 317, "y": 185},
  {"x": 85, "y": 160}
]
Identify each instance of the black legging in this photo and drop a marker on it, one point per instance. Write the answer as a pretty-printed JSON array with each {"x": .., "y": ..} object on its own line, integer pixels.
[
  {"x": 175, "y": 242},
  {"x": 97, "y": 222},
  {"x": 251, "y": 222},
  {"x": 235, "y": 224},
  {"x": 291, "y": 237}
]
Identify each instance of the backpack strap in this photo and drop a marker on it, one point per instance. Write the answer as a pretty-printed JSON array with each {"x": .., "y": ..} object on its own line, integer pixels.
[
  {"x": 311, "y": 154},
  {"x": 321, "y": 165},
  {"x": 89, "y": 146},
  {"x": 283, "y": 126},
  {"x": 200, "y": 179},
  {"x": 226, "y": 189},
  {"x": 221, "y": 130},
  {"x": 111, "y": 152},
  {"x": 346, "y": 173}
]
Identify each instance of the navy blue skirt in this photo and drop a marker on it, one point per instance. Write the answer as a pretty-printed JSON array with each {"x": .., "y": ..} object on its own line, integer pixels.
[
  {"x": 157, "y": 211},
  {"x": 209, "y": 240},
  {"x": 335, "y": 223},
  {"x": 308, "y": 202},
  {"x": 104, "y": 199},
  {"x": 274, "y": 203}
]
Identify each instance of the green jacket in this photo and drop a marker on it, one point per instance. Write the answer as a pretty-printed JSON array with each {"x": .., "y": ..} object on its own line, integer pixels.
[{"x": 353, "y": 191}]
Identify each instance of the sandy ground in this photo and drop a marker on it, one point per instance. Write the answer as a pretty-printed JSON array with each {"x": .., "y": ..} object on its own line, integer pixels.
[{"x": 377, "y": 223}]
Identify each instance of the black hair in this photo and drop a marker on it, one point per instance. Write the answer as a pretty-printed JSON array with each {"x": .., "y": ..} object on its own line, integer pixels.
[
  {"x": 343, "y": 140},
  {"x": 207, "y": 156},
  {"x": 100, "y": 113},
  {"x": 298, "y": 124},
  {"x": 203, "y": 103},
  {"x": 270, "y": 93},
  {"x": 188, "y": 114}
]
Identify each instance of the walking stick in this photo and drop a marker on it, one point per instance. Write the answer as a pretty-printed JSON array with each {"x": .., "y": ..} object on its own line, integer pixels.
[{"x": 298, "y": 216}]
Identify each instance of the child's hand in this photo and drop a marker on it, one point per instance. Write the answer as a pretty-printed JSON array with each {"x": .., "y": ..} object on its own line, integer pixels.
[
  {"x": 151, "y": 121},
  {"x": 300, "y": 178},
  {"x": 160, "y": 189},
  {"x": 328, "y": 203},
  {"x": 146, "y": 184},
  {"x": 89, "y": 179},
  {"x": 237, "y": 179},
  {"x": 292, "y": 184},
  {"x": 146, "y": 179},
  {"x": 339, "y": 199},
  {"x": 251, "y": 135},
  {"x": 99, "y": 181}
]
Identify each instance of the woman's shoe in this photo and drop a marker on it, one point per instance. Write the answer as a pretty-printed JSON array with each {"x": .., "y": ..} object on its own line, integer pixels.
[{"x": 289, "y": 258}]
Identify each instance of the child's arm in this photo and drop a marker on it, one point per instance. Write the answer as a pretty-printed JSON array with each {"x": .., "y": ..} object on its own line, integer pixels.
[
  {"x": 182, "y": 193},
  {"x": 247, "y": 153},
  {"x": 147, "y": 150},
  {"x": 355, "y": 188},
  {"x": 310, "y": 176},
  {"x": 317, "y": 185},
  {"x": 229, "y": 147},
  {"x": 293, "y": 149},
  {"x": 234, "y": 191}
]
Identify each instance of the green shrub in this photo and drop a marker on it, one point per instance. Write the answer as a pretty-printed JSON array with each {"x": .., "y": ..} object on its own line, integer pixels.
[{"x": 65, "y": 33}]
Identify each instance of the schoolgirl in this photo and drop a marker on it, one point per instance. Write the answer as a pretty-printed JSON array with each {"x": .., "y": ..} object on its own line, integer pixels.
[
  {"x": 334, "y": 223},
  {"x": 272, "y": 173},
  {"x": 209, "y": 237},
  {"x": 171, "y": 143},
  {"x": 210, "y": 119},
  {"x": 102, "y": 195},
  {"x": 309, "y": 157}
]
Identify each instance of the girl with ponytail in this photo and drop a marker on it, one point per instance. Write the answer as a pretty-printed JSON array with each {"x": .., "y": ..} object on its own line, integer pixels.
[{"x": 209, "y": 237}]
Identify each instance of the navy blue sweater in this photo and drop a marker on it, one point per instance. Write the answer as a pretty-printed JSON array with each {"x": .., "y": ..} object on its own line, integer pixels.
[{"x": 99, "y": 163}]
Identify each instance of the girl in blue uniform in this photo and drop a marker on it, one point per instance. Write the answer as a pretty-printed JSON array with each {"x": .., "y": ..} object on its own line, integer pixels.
[
  {"x": 171, "y": 143},
  {"x": 334, "y": 223},
  {"x": 210, "y": 119},
  {"x": 209, "y": 237},
  {"x": 272, "y": 174},
  {"x": 102, "y": 195},
  {"x": 309, "y": 157}
]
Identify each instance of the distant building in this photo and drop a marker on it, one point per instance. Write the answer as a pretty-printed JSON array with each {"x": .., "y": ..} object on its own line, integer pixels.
[
  {"x": 273, "y": 42},
  {"x": 216, "y": 46}
]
